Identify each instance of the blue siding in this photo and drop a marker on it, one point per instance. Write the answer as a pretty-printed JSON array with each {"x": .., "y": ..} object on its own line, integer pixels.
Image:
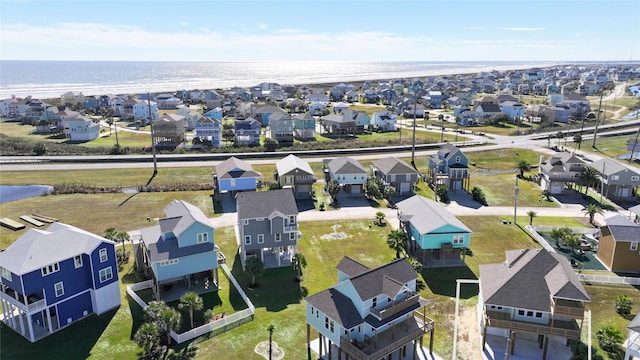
[
  {"x": 97, "y": 265},
  {"x": 241, "y": 184},
  {"x": 190, "y": 235},
  {"x": 74, "y": 281},
  {"x": 187, "y": 265},
  {"x": 74, "y": 308},
  {"x": 15, "y": 283}
]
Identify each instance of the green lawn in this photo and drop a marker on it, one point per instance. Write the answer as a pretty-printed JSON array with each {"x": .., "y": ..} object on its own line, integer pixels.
[
  {"x": 499, "y": 190},
  {"x": 97, "y": 212}
]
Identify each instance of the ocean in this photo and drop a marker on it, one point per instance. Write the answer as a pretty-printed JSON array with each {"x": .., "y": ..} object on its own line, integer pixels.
[{"x": 50, "y": 79}]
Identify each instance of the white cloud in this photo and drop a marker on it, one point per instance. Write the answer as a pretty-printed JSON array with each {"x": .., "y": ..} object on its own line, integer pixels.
[
  {"x": 184, "y": 23},
  {"x": 262, "y": 26},
  {"x": 522, "y": 29}
]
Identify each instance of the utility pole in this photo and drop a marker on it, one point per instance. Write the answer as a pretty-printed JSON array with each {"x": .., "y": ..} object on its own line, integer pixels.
[
  {"x": 595, "y": 131},
  {"x": 413, "y": 142},
  {"x": 153, "y": 139},
  {"x": 635, "y": 143}
]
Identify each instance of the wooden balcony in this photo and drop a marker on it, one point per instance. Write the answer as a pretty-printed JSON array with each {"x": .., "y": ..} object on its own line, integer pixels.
[
  {"x": 396, "y": 306},
  {"x": 566, "y": 329},
  {"x": 388, "y": 341},
  {"x": 568, "y": 309}
]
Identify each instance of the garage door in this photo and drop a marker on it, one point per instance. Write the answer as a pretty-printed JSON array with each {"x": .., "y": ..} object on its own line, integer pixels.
[
  {"x": 624, "y": 192},
  {"x": 557, "y": 188},
  {"x": 404, "y": 187},
  {"x": 457, "y": 185}
]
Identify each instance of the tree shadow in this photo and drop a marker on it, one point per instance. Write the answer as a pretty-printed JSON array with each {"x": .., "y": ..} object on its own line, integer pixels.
[{"x": 442, "y": 281}]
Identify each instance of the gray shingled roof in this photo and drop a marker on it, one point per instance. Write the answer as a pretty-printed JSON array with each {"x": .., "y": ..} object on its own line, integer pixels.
[
  {"x": 336, "y": 306},
  {"x": 392, "y": 165},
  {"x": 291, "y": 163},
  {"x": 169, "y": 249},
  {"x": 609, "y": 166},
  {"x": 345, "y": 165},
  {"x": 227, "y": 169},
  {"x": 623, "y": 229},
  {"x": 427, "y": 215},
  {"x": 261, "y": 204},
  {"x": 186, "y": 214},
  {"x": 634, "y": 325},
  {"x": 371, "y": 283},
  {"x": 39, "y": 248},
  {"x": 528, "y": 280},
  {"x": 351, "y": 267}
]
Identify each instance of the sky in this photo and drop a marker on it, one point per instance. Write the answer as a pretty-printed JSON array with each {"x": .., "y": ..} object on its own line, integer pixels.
[{"x": 300, "y": 30}]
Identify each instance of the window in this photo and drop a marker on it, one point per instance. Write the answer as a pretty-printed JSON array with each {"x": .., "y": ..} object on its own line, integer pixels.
[
  {"x": 278, "y": 237},
  {"x": 288, "y": 179},
  {"x": 458, "y": 239},
  {"x": 521, "y": 312},
  {"x": 77, "y": 260},
  {"x": 203, "y": 238},
  {"x": 106, "y": 274},
  {"x": 331, "y": 325},
  {"x": 260, "y": 238},
  {"x": 245, "y": 221},
  {"x": 292, "y": 236},
  {"x": 103, "y": 255},
  {"x": 635, "y": 178},
  {"x": 59, "y": 287},
  {"x": 5, "y": 273},
  {"x": 634, "y": 246},
  {"x": 529, "y": 313},
  {"x": 169, "y": 262},
  {"x": 374, "y": 302},
  {"x": 457, "y": 159},
  {"x": 326, "y": 322},
  {"x": 538, "y": 314},
  {"x": 50, "y": 269},
  {"x": 292, "y": 219},
  {"x": 247, "y": 239}
]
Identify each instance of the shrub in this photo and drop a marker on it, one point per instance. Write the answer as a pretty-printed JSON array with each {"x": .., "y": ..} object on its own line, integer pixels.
[
  {"x": 609, "y": 339},
  {"x": 443, "y": 193},
  {"x": 623, "y": 305},
  {"x": 478, "y": 195}
]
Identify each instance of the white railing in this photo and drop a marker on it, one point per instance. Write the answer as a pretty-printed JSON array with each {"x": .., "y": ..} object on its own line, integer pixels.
[
  {"x": 225, "y": 323},
  {"x": 30, "y": 307},
  {"x": 589, "y": 231},
  {"x": 609, "y": 279},
  {"x": 533, "y": 231}
]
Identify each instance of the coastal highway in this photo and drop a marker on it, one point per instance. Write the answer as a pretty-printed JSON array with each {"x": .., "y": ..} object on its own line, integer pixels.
[{"x": 481, "y": 143}]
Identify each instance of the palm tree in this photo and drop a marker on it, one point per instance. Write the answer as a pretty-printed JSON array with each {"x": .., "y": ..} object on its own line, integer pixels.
[
  {"x": 523, "y": 166},
  {"x": 192, "y": 301},
  {"x": 333, "y": 188},
  {"x": 589, "y": 177},
  {"x": 557, "y": 235},
  {"x": 379, "y": 218},
  {"x": 299, "y": 262},
  {"x": 572, "y": 241},
  {"x": 148, "y": 338},
  {"x": 122, "y": 237},
  {"x": 111, "y": 234},
  {"x": 254, "y": 267},
  {"x": 396, "y": 241},
  {"x": 546, "y": 194},
  {"x": 270, "y": 329},
  {"x": 531, "y": 214},
  {"x": 168, "y": 320},
  {"x": 415, "y": 264},
  {"x": 591, "y": 210},
  {"x": 609, "y": 338}
]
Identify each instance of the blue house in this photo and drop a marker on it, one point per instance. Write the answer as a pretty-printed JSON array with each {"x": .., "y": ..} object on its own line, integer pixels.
[
  {"x": 436, "y": 237},
  {"x": 450, "y": 167},
  {"x": 209, "y": 129},
  {"x": 179, "y": 253},
  {"x": 90, "y": 102},
  {"x": 370, "y": 313},
  {"x": 247, "y": 131},
  {"x": 214, "y": 114},
  {"x": 52, "y": 278},
  {"x": 234, "y": 175},
  {"x": 436, "y": 99}
]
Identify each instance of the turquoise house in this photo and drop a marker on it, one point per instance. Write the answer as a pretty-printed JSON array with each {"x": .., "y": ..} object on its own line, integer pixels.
[{"x": 436, "y": 237}]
